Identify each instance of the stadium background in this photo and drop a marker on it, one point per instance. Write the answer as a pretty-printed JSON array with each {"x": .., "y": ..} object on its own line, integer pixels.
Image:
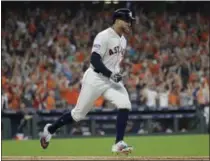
[{"x": 45, "y": 50}]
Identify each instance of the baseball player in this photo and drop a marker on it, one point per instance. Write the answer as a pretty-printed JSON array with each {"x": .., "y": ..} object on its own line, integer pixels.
[{"x": 102, "y": 78}]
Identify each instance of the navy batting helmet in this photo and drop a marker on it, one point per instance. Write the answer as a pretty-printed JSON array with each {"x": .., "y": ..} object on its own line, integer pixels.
[{"x": 123, "y": 14}]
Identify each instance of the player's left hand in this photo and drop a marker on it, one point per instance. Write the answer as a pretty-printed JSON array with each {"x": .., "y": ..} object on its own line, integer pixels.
[{"x": 116, "y": 77}]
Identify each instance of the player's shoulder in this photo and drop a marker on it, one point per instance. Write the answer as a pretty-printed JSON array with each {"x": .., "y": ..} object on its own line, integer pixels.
[{"x": 103, "y": 33}]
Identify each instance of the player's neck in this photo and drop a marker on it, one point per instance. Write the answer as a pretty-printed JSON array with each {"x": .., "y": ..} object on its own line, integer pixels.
[{"x": 117, "y": 30}]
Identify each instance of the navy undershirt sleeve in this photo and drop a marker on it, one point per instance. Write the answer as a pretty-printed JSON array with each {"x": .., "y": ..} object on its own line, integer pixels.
[{"x": 98, "y": 65}]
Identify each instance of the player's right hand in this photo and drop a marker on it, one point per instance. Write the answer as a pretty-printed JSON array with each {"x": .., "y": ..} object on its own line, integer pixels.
[{"x": 117, "y": 77}]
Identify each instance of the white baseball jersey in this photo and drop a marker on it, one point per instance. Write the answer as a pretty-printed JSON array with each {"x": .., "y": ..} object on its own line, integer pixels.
[{"x": 111, "y": 48}]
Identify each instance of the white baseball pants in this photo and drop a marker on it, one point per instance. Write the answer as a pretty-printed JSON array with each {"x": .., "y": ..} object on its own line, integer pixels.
[{"x": 95, "y": 85}]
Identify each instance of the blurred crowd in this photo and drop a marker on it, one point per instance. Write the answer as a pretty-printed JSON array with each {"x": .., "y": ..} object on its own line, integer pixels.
[{"x": 46, "y": 51}]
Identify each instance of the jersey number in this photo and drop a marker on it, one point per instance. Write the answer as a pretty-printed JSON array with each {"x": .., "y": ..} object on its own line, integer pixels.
[{"x": 115, "y": 51}]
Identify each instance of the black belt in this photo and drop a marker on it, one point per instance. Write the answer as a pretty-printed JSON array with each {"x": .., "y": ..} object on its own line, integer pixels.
[
  {"x": 96, "y": 71},
  {"x": 99, "y": 72}
]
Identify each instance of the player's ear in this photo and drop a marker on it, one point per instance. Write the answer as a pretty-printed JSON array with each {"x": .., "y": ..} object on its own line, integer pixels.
[{"x": 119, "y": 22}]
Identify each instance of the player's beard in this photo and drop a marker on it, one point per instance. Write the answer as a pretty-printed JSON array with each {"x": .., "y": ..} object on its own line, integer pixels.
[{"x": 126, "y": 30}]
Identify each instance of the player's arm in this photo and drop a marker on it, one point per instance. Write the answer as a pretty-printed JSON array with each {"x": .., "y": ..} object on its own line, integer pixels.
[{"x": 99, "y": 66}]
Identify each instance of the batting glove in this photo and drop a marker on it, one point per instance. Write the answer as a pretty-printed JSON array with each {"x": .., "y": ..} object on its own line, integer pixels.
[{"x": 116, "y": 77}]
